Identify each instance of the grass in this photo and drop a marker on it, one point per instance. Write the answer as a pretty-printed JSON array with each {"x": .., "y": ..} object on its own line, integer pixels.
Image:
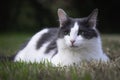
[{"x": 10, "y": 43}]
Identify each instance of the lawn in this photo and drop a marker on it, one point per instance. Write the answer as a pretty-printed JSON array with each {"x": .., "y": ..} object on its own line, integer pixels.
[{"x": 10, "y": 43}]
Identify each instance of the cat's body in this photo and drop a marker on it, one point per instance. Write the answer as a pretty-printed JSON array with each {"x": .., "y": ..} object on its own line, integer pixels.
[
  {"x": 41, "y": 46},
  {"x": 74, "y": 41}
]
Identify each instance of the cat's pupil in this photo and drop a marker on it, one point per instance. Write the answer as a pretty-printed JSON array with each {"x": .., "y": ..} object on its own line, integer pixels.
[
  {"x": 66, "y": 32},
  {"x": 82, "y": 33}
]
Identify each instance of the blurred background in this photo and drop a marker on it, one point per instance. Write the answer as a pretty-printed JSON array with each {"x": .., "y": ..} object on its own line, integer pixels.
[{"x": 33, "y": 15}]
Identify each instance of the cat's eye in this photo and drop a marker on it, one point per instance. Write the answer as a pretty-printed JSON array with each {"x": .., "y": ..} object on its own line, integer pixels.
[
  {"x": 81, "y": 32},
  {"x": 66, "y": 32}
]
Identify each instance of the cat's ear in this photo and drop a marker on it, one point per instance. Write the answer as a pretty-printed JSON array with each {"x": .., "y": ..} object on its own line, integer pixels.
[
  {"x": 92, "y": 18},
  {"x": 62, "y": 17}
]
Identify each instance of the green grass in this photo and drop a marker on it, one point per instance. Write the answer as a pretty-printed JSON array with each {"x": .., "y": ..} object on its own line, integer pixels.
[{"x": 10, "y": 43}]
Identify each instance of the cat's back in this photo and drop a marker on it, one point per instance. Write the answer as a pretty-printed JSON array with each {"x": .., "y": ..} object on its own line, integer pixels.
[
  {"x": 40, "y": 44},
  {"x": 46, "y": 35},
  {"x": 43, "y": 36}
]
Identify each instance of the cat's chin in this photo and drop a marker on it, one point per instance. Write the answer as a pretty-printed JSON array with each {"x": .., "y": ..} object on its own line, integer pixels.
[{"x": 73, "y": 46}]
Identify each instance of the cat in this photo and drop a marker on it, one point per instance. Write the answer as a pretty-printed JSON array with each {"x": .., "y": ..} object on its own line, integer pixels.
[{"x": 76, "y": 40}]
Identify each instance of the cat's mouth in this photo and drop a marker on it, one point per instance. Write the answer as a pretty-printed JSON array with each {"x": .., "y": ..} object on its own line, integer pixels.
[{"x": 73, "y": 46}]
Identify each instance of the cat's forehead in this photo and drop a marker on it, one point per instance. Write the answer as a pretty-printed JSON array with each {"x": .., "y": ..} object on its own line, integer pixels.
[
  {"x": 72, "y": 22},
  {"x": 81, "y": 21}
]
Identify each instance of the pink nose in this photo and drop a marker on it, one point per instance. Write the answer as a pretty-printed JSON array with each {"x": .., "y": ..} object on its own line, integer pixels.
[{"x": 72, "y": 41}]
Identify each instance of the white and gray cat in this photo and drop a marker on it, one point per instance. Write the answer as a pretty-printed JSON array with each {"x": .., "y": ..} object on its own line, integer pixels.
[{"x": 75, "y": 40}]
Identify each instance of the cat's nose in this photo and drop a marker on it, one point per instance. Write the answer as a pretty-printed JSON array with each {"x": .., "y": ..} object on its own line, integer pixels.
[{"x": 72, "y": 41}]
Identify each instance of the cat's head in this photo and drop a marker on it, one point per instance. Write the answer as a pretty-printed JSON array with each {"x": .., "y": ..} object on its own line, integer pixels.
[{"x": 76, "y": 31}]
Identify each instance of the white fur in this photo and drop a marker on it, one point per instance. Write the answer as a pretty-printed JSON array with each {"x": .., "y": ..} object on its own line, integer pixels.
[
  {"x": 74, "y": 31},
  {"x": 30, "y": 54}
]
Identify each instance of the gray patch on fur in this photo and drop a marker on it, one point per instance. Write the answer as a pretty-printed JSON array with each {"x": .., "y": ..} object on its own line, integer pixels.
[
  {"x": 85, "y": 29},
  {"x": 52, "y": 46},
  {"x": 66, "y": 27},
  {"x": 50, "y": 35}
]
